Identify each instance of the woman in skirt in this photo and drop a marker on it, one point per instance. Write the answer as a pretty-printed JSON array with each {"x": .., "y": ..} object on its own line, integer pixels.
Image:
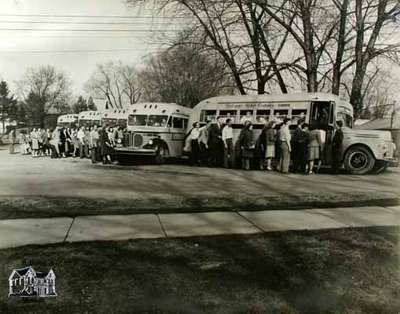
[
  {"x": 314, "y": 149},
  {"x": 247, "y": 145},
  {"x": 35, "y": 143}
]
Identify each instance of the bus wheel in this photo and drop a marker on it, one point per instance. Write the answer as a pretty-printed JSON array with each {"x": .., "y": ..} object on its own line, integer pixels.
[
  {"x": 161, "y": 156},
  {"x": 359, "y": 160}
]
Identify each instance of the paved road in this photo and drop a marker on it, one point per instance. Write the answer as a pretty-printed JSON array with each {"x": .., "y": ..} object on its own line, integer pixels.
[
  {"x": 20, "y": 232},
  {"x": 24, "y": 176}
]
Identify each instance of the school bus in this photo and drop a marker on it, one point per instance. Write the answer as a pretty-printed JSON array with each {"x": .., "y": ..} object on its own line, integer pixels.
[
  {"x": 363, "y": 151},
  {"x": 67, "y": 120},
  {"x": 155, "y": 130},
  {"x": 90, "y": 118},
  {"x": 115, "y": 117}
]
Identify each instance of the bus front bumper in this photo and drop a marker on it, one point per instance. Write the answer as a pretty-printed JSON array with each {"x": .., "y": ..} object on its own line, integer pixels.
[
  {"x": 130, "y": 151},
  {"x": 391, "y": 162}
]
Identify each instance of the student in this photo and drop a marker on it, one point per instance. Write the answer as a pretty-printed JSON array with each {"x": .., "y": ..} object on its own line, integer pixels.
[
  {"x": 285, "y": 146},
  {"x": 81, "y": 139},
  {"x": 314, "y": 149},
  {"x": 194, "y": 143},
  {"x": 203, "y": 141},
  {"x": 23, "y": 142},
  {"x": 337, "y": 147},
  {"x": 215, "y": 143},
  {"x": 55, "y": 143},
  {"x": 267, "y": 145},
  {"x": 299, "y": 147},
  {"x": 13, "y": 140},
  {"x": 93, "y": 143},
  {"x": 227, "y": 138},
  {"x": 105, "y": 146},
  {"x": 246, "y": 140},
  {"x": 35, "y": 143}
]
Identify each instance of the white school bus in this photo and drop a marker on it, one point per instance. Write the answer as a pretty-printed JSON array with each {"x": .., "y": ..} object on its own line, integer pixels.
[
  {"x": 90, "y": 118},
  {"x": 67, "y": 120},
  {"x": 363, "y": 151},
  {"x": 155, "y": 130},
  {"x": 115, "y": 117}
]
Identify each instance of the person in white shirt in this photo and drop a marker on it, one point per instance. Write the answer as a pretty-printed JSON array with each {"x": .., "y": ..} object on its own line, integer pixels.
[
  {"x": 81, "y": 139},
  {"x": 285, "y": 139},
  {"x": 194, "y": 143},
  {"x": 227, "y": 138}
]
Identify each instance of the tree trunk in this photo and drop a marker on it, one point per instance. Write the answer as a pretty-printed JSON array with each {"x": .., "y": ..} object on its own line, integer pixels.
[{"x": 337, "y": 66}]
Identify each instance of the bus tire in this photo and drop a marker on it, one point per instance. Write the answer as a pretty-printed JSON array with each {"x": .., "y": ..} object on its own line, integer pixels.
[
  {"x": 359, "y": 160},
  {"x": 162, "y": 155}
]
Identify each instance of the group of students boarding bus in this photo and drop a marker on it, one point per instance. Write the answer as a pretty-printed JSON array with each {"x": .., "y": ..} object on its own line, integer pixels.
[
  {"x": 276, "y": 147},
  {"x": 297, "y": 132}
]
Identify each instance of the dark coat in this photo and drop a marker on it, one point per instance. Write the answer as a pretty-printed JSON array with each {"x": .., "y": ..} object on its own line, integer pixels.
[
  {"x": 246, "y": 140},
  {"x": 214, "y": 134}
]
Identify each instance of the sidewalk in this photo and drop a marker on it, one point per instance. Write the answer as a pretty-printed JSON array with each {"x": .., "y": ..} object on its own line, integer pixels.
[{"x": 20, "y": 232}]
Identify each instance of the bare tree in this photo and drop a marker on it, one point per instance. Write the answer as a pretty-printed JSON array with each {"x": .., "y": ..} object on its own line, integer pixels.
[
  {"x": 116, "y": 83},
  {"x": 49, "y": 87},
  {"x": 185, "y": 76},
  {"x": 242, "y": 34}
]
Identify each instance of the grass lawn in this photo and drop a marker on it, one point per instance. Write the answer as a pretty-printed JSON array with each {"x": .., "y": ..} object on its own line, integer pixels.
[
  {"x": 334, "y": 271},
  {"x": 46, "y": 207}
]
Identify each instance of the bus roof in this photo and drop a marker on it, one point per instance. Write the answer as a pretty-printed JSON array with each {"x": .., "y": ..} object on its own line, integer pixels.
[
  {"x": 294, "y": 97},
  {"x": 66, "y": 118},
  {"x": 116, "y": 113},
  {"x": 155, "y": 108},
  {"x": 90, "y": 115}
]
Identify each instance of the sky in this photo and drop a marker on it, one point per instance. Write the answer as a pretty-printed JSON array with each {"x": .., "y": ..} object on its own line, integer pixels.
[
  {"x": 75, "y": 49},
  {"x": 83, "y": 33}
]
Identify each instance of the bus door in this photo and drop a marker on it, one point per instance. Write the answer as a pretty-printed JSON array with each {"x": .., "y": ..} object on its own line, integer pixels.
[{"x": 322, "y": 116}]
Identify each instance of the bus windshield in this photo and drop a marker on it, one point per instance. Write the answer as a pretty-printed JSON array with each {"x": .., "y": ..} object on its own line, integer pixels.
[
  {"x": 145, "y": 120},
  {"x": 346, "y": 119}
]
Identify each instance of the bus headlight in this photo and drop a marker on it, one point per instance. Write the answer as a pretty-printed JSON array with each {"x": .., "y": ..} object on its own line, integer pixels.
[{"x": 151, "y": 142}]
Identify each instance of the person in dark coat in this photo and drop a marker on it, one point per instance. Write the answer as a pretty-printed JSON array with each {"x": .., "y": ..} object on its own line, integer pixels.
[
  {"x": 105, "y": 146},
  {"x": 337, "y": 147},
  {"x": 63, "y": 140},
  {"x": 299, "y": 148},
  {"x": 247, "y": 145},
  {"x": 215, "y": 143}
]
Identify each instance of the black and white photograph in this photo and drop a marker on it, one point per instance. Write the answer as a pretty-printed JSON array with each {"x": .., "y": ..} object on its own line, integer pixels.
[{"x": 200, "y": 156}]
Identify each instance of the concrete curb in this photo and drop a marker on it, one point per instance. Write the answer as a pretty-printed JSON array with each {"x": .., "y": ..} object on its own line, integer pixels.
[{"x": 49, "y": 207}]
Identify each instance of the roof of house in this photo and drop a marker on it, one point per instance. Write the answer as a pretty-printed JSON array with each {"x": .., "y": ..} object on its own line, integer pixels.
[
  {"x": 41, "y": 274},
  {"x": 381, "y": 124},
  {"x": 23, "y": 271}
]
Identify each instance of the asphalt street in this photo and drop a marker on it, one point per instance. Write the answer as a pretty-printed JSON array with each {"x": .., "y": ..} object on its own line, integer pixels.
[{"x": 24, "y": 177}]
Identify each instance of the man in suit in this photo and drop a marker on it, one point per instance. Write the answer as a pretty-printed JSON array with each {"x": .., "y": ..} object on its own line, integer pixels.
[
  {"x": 215, "y": 143},
  {"x": 337, "y": 147},
  {"x": 299, "y": 148}
]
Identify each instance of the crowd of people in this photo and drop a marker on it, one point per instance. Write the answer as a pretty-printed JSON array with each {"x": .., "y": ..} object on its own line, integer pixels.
[
  {"x": 276, "y": 148},
  {"x": 62, "y": 142}
]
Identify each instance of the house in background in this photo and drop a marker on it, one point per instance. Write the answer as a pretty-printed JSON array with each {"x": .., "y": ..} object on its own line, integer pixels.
[
  {"x": 26, "y": 282},
  {"x": 390, "y": 122}
]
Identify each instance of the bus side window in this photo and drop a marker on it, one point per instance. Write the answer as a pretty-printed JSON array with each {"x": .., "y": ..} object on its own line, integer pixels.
[
  {"x": 246, "y": 115},
  {"x": 281, "y": 114},
  {"x": 262, "y": 116},
  {"x": 208, "y": 115},
  {"x": 299, "y": 115},
  {"x": 228, "y": 114},
  {"x": 177, "y": 123}
]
